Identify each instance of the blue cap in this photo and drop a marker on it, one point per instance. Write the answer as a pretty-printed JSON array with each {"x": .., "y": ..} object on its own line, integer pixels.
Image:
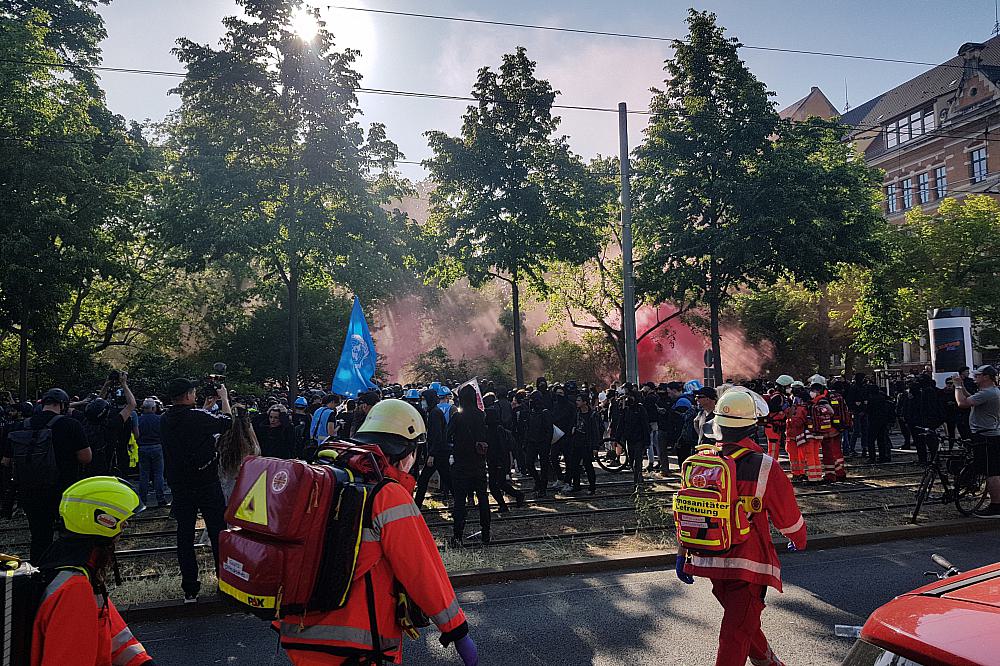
[
  {"x": 412, "y": 394},
  {"x": 436, "y": 387},
  {"x": 692, "y": 385},
  {"x": 443, "y": 391},
  {"x": 301, "y": 401}
]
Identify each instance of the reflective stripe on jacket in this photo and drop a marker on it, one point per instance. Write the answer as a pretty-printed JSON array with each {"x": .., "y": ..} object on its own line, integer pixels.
[
  {"x": 397, "y": 547},
  {"x": 755, "y": 560},
  {"x": 73, "y": 626}
]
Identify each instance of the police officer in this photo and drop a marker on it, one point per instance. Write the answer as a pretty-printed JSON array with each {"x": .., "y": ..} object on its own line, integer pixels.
[
  {"x": 397, "y": 552},
  {"x": 741, "y": 576}
]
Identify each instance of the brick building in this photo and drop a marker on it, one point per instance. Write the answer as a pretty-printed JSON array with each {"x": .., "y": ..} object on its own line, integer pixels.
[{"x": 935, "y": 135}]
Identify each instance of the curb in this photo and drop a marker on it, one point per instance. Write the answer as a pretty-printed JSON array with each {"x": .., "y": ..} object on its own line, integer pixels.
[{"x": 215, "y": 605}]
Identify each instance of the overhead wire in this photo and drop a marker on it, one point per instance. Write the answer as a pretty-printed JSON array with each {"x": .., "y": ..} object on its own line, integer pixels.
[
  {"x": 860, "y": 127},
  {"x": 627, "y": 35}
]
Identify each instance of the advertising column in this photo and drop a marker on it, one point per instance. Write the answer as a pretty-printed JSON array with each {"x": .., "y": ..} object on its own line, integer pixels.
[{"x": 951, "y": 341}]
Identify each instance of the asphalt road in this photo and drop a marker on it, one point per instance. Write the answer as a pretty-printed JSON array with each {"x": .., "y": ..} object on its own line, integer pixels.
[{"x": 640, "y": 617}]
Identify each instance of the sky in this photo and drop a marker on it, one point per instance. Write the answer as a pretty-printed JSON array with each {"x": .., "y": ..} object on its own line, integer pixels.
[{"x": 404, "y": 53}]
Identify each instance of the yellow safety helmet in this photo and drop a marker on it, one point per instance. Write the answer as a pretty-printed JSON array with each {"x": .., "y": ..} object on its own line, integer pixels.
[
  {"x": 739, "y": 407},
  {"x": 99, "y": 506},
  {"x": 395, "y": 426}
]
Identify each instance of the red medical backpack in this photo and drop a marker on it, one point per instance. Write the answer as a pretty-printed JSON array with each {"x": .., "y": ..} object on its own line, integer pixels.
[{"x": 295, "y": 534}]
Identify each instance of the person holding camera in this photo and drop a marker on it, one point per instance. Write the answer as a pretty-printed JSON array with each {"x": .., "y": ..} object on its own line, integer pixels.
[
  {"x": 191, "y": 462},
  {"x": 108, "y": 424}
]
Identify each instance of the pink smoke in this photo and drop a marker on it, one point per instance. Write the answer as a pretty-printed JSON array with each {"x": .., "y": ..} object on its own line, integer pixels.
[{"x": 675, "y": 351}]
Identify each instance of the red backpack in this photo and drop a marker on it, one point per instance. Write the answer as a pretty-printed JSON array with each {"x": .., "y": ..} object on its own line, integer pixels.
[
  {"x": 821, "y": 419},
  {"x": 842, "y": 417},
  {"x": 296, "y": 531},
  {"x": 710, "y": 516}
]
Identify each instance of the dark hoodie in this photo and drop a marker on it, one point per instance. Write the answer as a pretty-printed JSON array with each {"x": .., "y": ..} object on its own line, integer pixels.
[
  {"x": 467, "y": 428},
  {"x": 497, "y": 437},
  {"x": 437, "y": 429}
]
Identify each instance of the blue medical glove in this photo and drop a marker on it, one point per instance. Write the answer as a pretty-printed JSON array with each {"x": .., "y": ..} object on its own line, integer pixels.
[
  {"x": 467, "y": 651},
  {"x": 679, "y": 568}
]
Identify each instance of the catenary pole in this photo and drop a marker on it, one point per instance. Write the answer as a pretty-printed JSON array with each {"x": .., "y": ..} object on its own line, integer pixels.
[{"x": 628, "y": 288}]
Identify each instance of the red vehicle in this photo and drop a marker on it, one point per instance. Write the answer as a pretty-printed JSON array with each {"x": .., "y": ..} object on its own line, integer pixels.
[{"x": 953, "y": 622}]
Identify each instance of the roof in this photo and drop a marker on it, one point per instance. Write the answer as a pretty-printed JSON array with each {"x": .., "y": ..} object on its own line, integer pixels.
[
  {"x": 813, "y": 104},
  {"x": 926, "y": 87}
]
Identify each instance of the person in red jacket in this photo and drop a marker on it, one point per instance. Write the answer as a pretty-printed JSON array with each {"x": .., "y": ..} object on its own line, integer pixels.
[
  {"x": 803, "y": 451},
  {"x": 398, "y": 554},
  {"x": 740, "y": 578},
  {"x": 76, "y": 622},
  {"x": 824, "y": 429}
]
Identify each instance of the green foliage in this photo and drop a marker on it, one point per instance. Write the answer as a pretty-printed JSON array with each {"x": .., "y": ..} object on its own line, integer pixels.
[
  {"x": 731, "y": 197},
  {"x": 271, "y": 173},
  {"x": 511, "y": 195},
  {"x": 74, "y": 183},
  {"x": 941, "y": 260},
  {"x": 593, "y": 360}
]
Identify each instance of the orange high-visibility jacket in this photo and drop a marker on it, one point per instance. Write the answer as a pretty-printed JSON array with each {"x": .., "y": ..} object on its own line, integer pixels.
[
  {"x": 75, "y": 626},
  {"x": 755, "y": 560},
  {"x": 398, "y": 547}
]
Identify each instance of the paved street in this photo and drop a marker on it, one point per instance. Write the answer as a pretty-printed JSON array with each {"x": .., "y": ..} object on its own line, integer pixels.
[{"x": 640, "y": 617}]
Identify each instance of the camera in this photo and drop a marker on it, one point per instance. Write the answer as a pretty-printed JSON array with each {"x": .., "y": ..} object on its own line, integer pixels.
[{"x": 212, "y": 382}]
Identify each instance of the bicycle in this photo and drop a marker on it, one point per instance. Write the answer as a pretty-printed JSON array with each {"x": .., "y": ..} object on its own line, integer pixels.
[
  {"x": 613, "y": 456},
  {"x": 933, "y": 471},
  {"x": 962, "y": 477},
  {"x": 970, "y": 481}
]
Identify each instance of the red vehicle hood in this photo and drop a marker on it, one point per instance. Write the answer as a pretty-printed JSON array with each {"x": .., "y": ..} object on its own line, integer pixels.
[{"x": 953, "y": 622}]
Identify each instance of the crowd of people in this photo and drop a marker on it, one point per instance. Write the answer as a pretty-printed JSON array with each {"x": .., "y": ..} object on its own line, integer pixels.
[{"x": 478, "y": 441}]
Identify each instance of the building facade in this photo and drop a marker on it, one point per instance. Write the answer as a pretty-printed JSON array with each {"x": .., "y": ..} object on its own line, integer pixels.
[{"x": 935, "y": 136}]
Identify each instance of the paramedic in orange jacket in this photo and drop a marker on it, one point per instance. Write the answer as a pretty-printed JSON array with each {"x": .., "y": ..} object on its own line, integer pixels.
[
  {"x": 398, "y": 551},
  {"x": 741, "y": 577},
  {"x": 76, "y": 622}
]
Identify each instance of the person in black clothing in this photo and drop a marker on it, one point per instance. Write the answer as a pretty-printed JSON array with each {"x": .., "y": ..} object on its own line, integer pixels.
[
  {"x": 498, "y": 454},
  {"x": 902, "y": 409},
  {"x": 109, "y": 427},
  {"x": 438, "y": 450},
  {"x": 563, "y": 413},
  {"x": 467, "y": 432},
  {"x": 585, "y": 438},
  {"x": 69, "y": 443},
  {"x": 191, "y": 463},
  {"x": 634, "y": 431},
  {"x": 925, "y": 413},
  {"x": 519, "y": 426},
  {"x": 538, "y": 442},
  {"x": 275, "y": 433},
  {"x": 880, "y": 411}
]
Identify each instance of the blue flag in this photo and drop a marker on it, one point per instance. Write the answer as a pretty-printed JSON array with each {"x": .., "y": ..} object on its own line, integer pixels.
[{"x": 357, "y": 361}]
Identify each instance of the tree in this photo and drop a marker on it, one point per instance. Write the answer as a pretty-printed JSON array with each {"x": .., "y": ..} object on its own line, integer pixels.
[
  {"x": 271, "y": 173},
  {"x": 939, "y": 260},
  {"x": 588, "y": 295},
  {"x": 511, "y": 196},
  {"x": 71, "y": 182},
  {"x": 730, "y": 196}
]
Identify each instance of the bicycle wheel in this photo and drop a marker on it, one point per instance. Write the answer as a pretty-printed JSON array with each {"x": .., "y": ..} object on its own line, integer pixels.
[
  {"x": 611, "y": 457},
  {"x": 923, "y": 492},
  {"x": 970, "y": 489}
]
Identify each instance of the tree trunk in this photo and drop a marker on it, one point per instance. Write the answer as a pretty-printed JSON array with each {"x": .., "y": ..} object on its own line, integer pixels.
[
  {"x": 293, "y": 331},
  {"x": 515, "y": 306},
  {"x": 22, "y": 365},
  {"x": 823, "y": 337},
  {"x": 713, "y": 306}
]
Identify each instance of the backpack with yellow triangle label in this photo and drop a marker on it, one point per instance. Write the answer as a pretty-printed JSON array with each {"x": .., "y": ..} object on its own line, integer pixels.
[{"x": 295, "y": 533}]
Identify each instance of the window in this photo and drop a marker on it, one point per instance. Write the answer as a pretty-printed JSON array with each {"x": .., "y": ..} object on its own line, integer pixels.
[
  {"x": 907, "y": 193},
  {"x": 892, "y": 203},
  {"x": 941, "y": 182},
  {"x": 924, "y": 188},
  {"x": 978, "y": 165},
  {"x": 909, "y": 127}
]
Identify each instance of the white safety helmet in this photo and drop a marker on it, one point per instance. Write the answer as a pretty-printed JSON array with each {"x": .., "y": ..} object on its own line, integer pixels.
[
  {"x": 784, "y": 380},
  {"x": 817, "y": 379},
  {"x": 739, "y": 407}
]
